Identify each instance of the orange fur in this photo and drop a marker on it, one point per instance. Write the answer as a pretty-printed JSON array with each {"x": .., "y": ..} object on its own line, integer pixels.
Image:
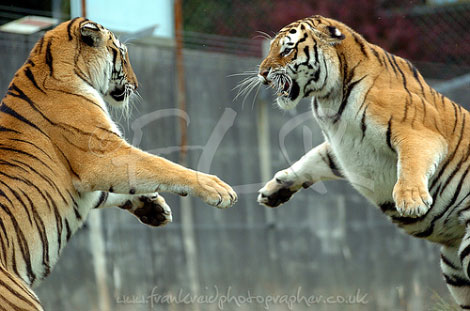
[
  {"x": 398, "y": 141},
  {"x": 61, "y": 155}
]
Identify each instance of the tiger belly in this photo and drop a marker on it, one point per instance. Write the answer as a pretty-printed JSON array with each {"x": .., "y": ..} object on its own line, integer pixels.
[
  {"x": 58, "y": 231},
  {"x": 371, "y": 167},
  {"x": 367, "y": 163}
]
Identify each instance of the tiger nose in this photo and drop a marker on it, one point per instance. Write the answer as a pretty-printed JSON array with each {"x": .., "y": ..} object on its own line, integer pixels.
[{"x": 264, "y": 75}]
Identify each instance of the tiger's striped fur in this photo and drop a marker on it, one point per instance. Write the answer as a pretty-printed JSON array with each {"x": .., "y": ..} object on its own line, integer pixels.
[
  {"x": 399, "y": 142},
  {"x": 61, "y": 155}
]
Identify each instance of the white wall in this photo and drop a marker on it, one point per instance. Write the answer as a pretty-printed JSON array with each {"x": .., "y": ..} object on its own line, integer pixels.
[{"x": 129, "y": 15}]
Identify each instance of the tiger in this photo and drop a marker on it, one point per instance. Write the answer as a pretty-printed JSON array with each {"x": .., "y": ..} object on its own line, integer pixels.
[
  {"x": 61, "y": 155},
  {"x": 400, "y": 143}
]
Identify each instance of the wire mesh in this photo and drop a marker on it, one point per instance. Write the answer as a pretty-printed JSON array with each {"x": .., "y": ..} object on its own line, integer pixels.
[{"x": 431, "y": 31}]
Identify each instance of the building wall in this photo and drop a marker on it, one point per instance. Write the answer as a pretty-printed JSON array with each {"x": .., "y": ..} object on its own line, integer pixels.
[{"x": 138, "y": 15}]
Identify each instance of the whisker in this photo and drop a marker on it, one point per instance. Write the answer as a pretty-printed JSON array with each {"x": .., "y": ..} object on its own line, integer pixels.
[
  {"x": 246, "y": 73},
  {"x": 264, "y": 35},
  {"x": 256, "y": 96},
  {"x": 245, "y": 87}
]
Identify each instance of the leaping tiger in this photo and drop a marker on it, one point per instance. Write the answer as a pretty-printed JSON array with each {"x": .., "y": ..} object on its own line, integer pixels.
[
  {"x": 61, "y": 155},
  {"x": 400, "y": 143}
]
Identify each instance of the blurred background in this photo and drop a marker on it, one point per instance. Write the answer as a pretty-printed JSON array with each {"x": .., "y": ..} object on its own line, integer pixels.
[{"x": 327, "y": 243}]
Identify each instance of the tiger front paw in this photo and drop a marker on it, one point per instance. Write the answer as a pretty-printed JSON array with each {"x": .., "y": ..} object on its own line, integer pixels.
[
  {"x": 411, "y": 200},
  {"x": 281, "y": 188},
  {"x": 150, "y": 209},
  {"x": 214, "y": 191}
]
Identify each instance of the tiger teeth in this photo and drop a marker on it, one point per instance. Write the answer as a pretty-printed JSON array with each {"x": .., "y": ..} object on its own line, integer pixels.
[{"x": 283, "y": 93}]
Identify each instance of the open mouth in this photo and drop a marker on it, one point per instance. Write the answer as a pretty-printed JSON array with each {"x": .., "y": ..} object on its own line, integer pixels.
[
  {"x": 282, "y": 84},
  {"x": 288, "y": 89},
  {"x": 119, "y": 94},
  {"x": 284, "y": 89}
]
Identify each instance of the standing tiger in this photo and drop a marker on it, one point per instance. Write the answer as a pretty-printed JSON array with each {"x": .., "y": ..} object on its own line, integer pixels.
[
  {"x": 400, "y": 143},
  {"x": 61, "y": 155}
]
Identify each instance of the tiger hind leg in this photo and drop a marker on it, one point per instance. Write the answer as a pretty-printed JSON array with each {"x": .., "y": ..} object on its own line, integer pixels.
[
  {"x": 15, "y": 294},
  {"x": 455, "y": 277}
]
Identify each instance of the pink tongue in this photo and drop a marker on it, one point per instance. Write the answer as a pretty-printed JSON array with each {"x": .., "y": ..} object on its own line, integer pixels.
[{"x": 286, "y": 86}]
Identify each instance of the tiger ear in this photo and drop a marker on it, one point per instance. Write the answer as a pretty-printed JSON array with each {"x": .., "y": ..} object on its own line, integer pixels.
[
  {"x": 335, "y": 34},
  {"x": 91, "y": 34},
  {"x": 330, "y": 34}
]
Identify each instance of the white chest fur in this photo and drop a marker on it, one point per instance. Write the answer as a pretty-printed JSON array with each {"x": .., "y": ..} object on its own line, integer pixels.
[{"x": 363, "y": 154}]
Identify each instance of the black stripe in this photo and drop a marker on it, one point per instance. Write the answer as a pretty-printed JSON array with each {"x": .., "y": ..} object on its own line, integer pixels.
[
  {"x": 450, "y": 178},
  {"x": 456, "y": 281},
  {"x": 402, "y": 75},
  {"x": 307, "y": 53},
  {"x": 315, "y": 106},
  {"x": 446, "y": 210},
  {"x": 17, "y": 294},
  {"x": 4, "y": 248},
  {"x": 407, "y": 103},
  {"x": 114, "y": 55},
  {"x": 443, "y": 101},
  {"x": 68, "y": 231},
  {"x": 360, "y": 43},
  {"x": 455, "y": 117},
  {"x": 5, "y": 109},
  {"x": 31, "y": 144},
  {"x": 18, "y": 282},
  {"x": 456, "y": 194},
  {"x": 4, "y": 129},
  {"x": 366, "y": 95},
  {"x": 49, "y": 58},
  {"x": 334, "y": 168},
  {"x": 40, "y": 44},
  {"x": 22, "y": 242},
  {"x": 2, "y": 225},
  {"x": 448, "y": 263},
  {"x": 389, "y": 135},
  {"x": 344, "y": 102},
  {"x": 416, "y": 75},
  {"x": 315, "y": 49},
  {"x": 15, "y": 266},
  {"x": 83, "y": 97},
  {"x": 390, "y": 61},
  {"x": 26, "y": 209},
  {"x": 451, "y": 157},
  {"x": 376, "y": 54},
  {"x": 457, "y": 168},
  {"x": 58, "y": 222},
  {"x": 102, "y": 199},
  {"x": 42, "y": 234},
  {"x": 464, "y": 253},
  {"x": 424, "y": 109},
  {"x": 26, "y": 154},
  {"x": 45, "y": 178},
  {"x": 69, "y": 28},
  {"x": 24, "y": 97},
  {"x": 30, "y": 76},
  {"x": 69, "y": 165},
  {"x": 75, "y": 206},
  {"x": 363, "y": 124}
]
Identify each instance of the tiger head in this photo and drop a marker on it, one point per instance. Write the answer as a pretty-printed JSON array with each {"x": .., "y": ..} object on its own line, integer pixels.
[
  {"x": 84, "y": 51},
  {"x": 302, "y": 60}
]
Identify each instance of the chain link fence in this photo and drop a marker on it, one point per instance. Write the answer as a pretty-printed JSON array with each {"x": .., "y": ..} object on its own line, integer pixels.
[{"x": 426, "y": 32}]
